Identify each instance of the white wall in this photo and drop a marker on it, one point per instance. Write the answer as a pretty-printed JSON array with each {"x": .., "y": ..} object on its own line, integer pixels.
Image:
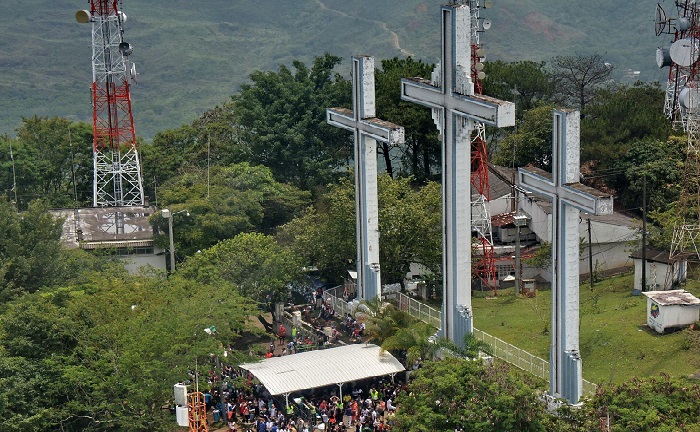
[
  {"x": 671, "y": 316},
  {"x": 132, "y": 263},
  {"x": 657, "y": 275}
]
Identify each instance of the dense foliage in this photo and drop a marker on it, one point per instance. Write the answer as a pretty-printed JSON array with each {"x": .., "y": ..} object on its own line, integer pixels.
[
  {"x": 283, "y": 119},
  {"x": 31, "y": 255},
  {"x": 259, "y": 188},
  {"x": 224, "y": 202},
  {"x": 103, "y": 353},
  {"x": 409, "y": 225},
  {"x": 443, "y": 395}
]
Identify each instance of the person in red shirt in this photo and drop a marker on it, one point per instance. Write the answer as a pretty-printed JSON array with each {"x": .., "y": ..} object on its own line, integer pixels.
[{"x": 282, "y": 334}]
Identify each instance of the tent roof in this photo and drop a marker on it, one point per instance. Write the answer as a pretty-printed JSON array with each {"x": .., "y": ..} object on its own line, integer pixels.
[{"x": 312, "y": 369}]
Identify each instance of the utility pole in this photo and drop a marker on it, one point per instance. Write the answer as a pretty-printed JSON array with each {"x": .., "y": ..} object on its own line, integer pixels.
[
  {"x": 590, "y": 253},
  {"x": 519, "y": 221},
  {"x": 167, "y": 215},
  {"x": 644, "y": 233}
]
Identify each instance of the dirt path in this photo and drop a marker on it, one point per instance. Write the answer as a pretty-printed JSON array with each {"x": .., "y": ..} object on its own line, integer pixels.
[{"x": 395, "y": 40}]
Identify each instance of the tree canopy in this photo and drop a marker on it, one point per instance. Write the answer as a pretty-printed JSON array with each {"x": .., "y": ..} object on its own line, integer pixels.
[
  {"x": 104, "y": 353},
  {"x": 31, "y": 255},
  {"x": 254, "y": 263},
  {"x": 527, "y": 83},
  {"x": 531, "y": 143},
  {"x": 283, "y": 122},
  {"x": 223, "y": 203},
  {"x": 409, "y": 224},
  {"x": 443, "y": 395},
  {"x": 420, "y": 156},
  {"x": 47, "y": 155}
]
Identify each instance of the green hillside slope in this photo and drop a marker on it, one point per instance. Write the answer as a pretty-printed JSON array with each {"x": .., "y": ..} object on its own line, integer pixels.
[{"x": 192, "y": 55}]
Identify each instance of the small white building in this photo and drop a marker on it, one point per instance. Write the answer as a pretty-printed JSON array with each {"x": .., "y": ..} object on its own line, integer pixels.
[
  {"x": 662, "y": 272},
  {"x": 671, "y": 309},
  {"x": 610, "y": 235}
]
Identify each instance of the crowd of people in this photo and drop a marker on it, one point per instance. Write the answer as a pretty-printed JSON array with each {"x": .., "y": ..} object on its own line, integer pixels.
[{"x": 369, "y": 406}]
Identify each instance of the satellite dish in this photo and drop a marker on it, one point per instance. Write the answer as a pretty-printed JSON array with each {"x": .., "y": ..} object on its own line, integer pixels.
[
  {"x": 83, "y": 16},
  {"x": 125, "y": 48},
  {"x": 479, "y": 66},
  {"x": 480, "y": 52},
  {"x": 122, "y": 17},
  {"x": 663, "y": 57},
  {"x": 486, "y": 24},
  {"x": 689, "y": 99},
  {"x": 660, "y": 20},
  {"x": 684, "y": 52},
  {"x": 132, "y": 72},
  {"x": 488, "y": 4},
  {"x": 481, "y": 75},
  {"x": 683, "y": 24}
]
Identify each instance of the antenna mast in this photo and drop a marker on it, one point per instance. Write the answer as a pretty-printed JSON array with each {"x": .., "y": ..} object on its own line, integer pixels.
[
  {"x": 682, "y": 106},
  {"x": 485, "y": 269},
  {"x": 117, "y": 174}
]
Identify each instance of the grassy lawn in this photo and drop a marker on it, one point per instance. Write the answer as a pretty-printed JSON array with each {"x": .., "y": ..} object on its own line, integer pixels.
[{"x": 614, "y": 341}]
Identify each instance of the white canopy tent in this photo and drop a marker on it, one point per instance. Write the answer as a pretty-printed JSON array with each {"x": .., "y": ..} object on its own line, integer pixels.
[{"x": 313, "y": 369}]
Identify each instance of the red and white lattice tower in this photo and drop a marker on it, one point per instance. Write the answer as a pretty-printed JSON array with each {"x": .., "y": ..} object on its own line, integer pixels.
[
  {"x": 682, "y": 106},
  {"x": 485, "y": 268},
  {"x": 117, "y": 174}
]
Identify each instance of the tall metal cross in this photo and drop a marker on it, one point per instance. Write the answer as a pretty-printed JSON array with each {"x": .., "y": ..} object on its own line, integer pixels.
[
  {"x": 368, "y": 130},
  {"x": 455, "y": 109},
  {"x": 568, "y": 198}
]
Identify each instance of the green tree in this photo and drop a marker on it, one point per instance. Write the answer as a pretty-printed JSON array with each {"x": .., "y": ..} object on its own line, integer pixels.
[
  {"x": 420, "y": 155},
  {"x": 409, "y": 224},
  {"x": 211, "y": 140},
  {"x": 48, "y": 153},
  {"x": 531, "y": 143},
  {"x": 256, "y": 264},
  {"x": 660, "y": 162},
  {"x": 103, "y": 354},
  {"x": 223, "y": 203},
  {"x": 640, "y": 404},
  {"x": 526, "y": 83},
  {"x": 31, "y": 255},
  {"x": 443, "y": 395},
  {"x": 283, "y": 122},
  {"x": 415, "y": 339},
  {"x": 618, "y": 117}
]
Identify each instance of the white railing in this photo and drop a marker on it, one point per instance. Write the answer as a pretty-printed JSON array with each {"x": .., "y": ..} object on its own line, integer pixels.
[
  {"x": 415, "y": 308},
  {"x": 499, "y": 348},
  {"x": 335, "y": 297}
]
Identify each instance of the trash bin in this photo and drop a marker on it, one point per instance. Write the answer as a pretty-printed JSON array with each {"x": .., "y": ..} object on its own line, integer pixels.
[{"x": 217, "y": 415}]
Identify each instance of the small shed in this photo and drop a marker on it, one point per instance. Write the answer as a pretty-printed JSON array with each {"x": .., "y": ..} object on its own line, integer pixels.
[
  {"x": 662, "y": 271},
  {"x": 671, "y": 309}
]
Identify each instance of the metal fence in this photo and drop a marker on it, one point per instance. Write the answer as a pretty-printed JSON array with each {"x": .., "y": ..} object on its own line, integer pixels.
[
  {"x": 499, "y": 348},
  {"x": 416, "y": 309},
  {"x": 335, "y": 297}
]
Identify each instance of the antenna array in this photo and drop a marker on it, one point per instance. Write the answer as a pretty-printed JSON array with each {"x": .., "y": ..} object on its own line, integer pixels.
[
  {"x": 682, "y": 106},
  {"x": 117, "y": 174}
]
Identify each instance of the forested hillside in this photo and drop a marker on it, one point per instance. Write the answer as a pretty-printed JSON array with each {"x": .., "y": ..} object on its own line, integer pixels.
[{"x": 192, "y": 56}]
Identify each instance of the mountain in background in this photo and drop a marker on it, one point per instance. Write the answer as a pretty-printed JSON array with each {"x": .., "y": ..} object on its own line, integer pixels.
[{"x": 192, "y": 55}]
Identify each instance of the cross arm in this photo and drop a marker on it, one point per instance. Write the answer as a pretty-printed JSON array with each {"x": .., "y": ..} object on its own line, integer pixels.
[
  {"x": 480, "y": 108},
  {"x": 584, "y": 198},
  {"x": 380, "y": 130}
]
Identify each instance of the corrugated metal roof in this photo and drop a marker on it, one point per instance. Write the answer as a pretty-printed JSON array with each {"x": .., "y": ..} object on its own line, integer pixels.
[
  {"x": 673, "y": 297},
  {"x": 313, "y": 369}
]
